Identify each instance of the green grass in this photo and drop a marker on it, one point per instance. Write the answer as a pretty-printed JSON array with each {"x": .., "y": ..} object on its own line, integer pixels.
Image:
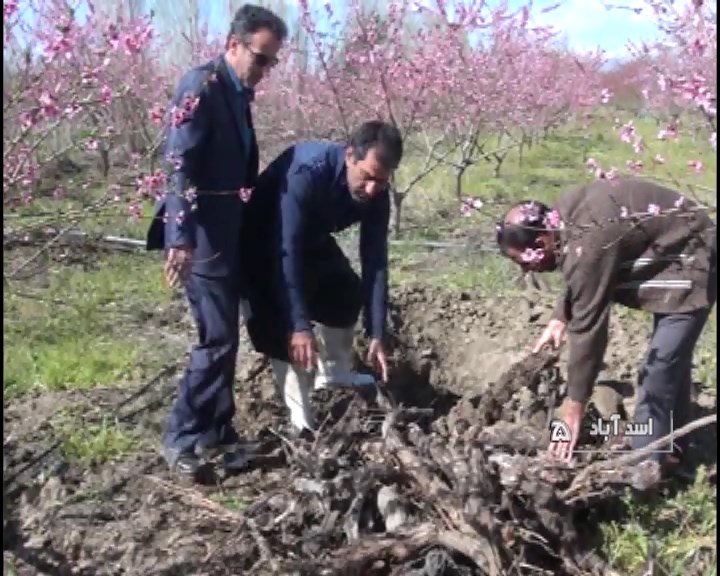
[
  {"x": 97, "y": 444},
  {"x": 84, "y": 329},
  {"x": 89, "y": 329},
  {"x": 706, "y": 355},
  {"x": 558, "y": 162},
  {"x": 676, "y": 531},
  {"x": 9, "y": 568},
  {"x": 677, "y": 526},
  {"x": 232, "y": 502}
]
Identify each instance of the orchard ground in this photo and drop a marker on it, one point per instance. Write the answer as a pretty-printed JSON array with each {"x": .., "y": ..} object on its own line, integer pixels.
[{"x": 94, "y": 344}]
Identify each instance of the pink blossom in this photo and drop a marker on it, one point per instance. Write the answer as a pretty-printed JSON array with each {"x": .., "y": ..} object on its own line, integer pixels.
[
  {"x": 135, "y": 209},
  {"x": 465, "y": 210},
  {"x": 72, "y": 110},
  {"x": 27, "y": 120},
  {"x": 472, "y": 204},
  {"x": 9, "y": 8},
  {"x": 106, "y": 94},
  {"x": 639, "y": 145},
  {"x": 157, "y": 114},
  {"x": 627, "y": 132},
  {"x": 177, "y": 116},
  {"x": 115, "y": 192},
  {"x": 185, "y": 110},
  {"x": 653, "y": 209},
  {"x": 87, "y": 77},
  {"x": 679, "y": 202},
  {"x": 635, "y": 165},
  {"x": 667, "y": 134},
  {"x": 605, "y": 96},
  {"x": 132, "y": 46},
  {"x": 696, "y": 165},
  {"x": 92, "y": 144},
  {"x": 48, "y": 105},
  {"x": 532, "y": 255},
  {"x": 190, "y": 103},
  {"x": 191, "y": 194},
  {"x": 611, "y": 174},
  {"x": 152, "y": 185},
  {"x": 552, "y": 219},
  {"x": 245, "y": 194}
]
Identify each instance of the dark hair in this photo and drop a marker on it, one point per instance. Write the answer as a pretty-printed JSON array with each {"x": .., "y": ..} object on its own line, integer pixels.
[
  {"x": 384, "y": 137},
  {"x": 250, "y": 18},
  {"x": 524, "y": 232}
]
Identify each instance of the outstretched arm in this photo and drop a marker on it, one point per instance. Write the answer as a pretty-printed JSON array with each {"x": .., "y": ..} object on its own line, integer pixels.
[
  {"x": 291, "y": 221},
  {"x": 374, "y": 261}
]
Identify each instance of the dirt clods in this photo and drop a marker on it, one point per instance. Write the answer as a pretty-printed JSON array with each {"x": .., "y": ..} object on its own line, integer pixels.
[{"x": 443, "y": 472}]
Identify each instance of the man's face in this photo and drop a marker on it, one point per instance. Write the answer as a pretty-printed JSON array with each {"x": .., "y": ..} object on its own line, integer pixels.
[
  {"x": 253, "y": 57},
  {"x": 366, "y": 178},
  {"x": 541, "y": 258}
]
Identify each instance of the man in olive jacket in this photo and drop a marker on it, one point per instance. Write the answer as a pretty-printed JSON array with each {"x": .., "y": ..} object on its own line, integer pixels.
[{"x": 631, "y": 242}]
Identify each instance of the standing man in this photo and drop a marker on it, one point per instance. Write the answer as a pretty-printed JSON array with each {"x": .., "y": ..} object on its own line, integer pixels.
[
  {"x": 630, "y": 242},
  {"x": 214, "y": 156},
  {"x": 311, "y": 191}
]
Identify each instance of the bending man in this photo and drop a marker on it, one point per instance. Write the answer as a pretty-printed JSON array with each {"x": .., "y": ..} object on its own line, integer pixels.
[
  {"x": 311, "y": 191},
  {"x": 630, "y": 242}
]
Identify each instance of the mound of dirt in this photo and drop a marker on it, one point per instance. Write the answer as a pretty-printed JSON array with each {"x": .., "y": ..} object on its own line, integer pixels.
[{"x": 443, "y": 472}]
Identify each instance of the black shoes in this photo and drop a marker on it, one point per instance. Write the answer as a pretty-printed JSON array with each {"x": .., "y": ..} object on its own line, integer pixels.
[
  {"x": 185, "y": 463},
  {"x": 196, "y": 465}
]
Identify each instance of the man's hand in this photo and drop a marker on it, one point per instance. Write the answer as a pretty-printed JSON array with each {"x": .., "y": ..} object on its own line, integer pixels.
[
  {"x": 377, "y": 357},
  {"x": 554, "y": 333},
  {"x": 178, "y": 263},
  {"x": 303, "y": 350},
  {"x": 572, "y": 415}
]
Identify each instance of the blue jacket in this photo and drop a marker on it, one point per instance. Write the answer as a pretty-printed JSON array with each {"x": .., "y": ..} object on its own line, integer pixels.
[
  {"x": 213, "y": 157},
  {"x": 306, "y": 198}
]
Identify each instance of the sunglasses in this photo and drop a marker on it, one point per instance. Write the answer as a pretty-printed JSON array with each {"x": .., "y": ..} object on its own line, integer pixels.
[{"x": 261, "y": 60}]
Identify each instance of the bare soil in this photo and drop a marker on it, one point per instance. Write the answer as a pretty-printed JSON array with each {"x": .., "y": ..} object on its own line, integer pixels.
[{"x": 442, "y": 473}]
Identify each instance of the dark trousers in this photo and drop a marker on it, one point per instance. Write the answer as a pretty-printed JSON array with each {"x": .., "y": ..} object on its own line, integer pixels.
[
  {"x": 203, "y": 412},
  {"x": 665, "y": 382},
  {"x": 333, "y": 297}
]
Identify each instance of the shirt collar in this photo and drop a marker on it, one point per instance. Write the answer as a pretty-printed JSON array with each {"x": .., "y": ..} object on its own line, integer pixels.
[
  {"x": 338, "y": 158},
  {"x": 248, "y": 93}
]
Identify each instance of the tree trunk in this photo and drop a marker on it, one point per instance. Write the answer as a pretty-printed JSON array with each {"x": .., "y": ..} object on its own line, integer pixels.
[
  {"x": 458, "y": 181},
  {"x": 499, "y": 159},
  {"x": 397, "y": 199}
]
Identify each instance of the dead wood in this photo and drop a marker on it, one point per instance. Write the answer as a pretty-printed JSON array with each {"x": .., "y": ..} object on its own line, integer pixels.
[{"x": 477, "y": 491}]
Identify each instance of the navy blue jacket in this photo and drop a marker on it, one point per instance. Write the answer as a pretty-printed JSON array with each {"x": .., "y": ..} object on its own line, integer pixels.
[
  {"x": 306, "y": 187},
  {"x": 214, "y": 159}
]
